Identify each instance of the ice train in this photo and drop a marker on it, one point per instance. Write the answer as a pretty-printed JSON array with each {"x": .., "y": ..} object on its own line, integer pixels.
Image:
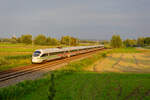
[{"x": 43, "y": 55}]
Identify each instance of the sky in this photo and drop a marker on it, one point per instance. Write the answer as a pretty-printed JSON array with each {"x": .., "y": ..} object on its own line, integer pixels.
[{"x": 84, "y": 19}]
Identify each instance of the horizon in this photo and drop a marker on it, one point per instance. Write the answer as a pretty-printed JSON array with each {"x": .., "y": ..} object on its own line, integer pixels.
[{"x": 47, "y": 35}]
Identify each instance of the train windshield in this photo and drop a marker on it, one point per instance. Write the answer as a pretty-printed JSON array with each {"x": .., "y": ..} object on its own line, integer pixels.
[{"x": 36, "y": 53}]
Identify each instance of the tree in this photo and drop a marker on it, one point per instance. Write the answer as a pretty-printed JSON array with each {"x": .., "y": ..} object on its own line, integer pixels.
[
  {"x": 13, "y": 40},
  {"x": 140, "y": 41},
  {"x": 74, "y": 41},
  {"x": 27, "y": 39},
  {"x": 49, "y": 41},
  {"x": 19, "y": 40},
  {"x": 116, "y": 41},
  {"x": 130, "y": 43},
  {"x": 40, "y": 40},
  {"x": 147, "y": 41},
  {"x": 67, "y": 40},
  {"x": 54, "y": 41},
  {"x": 6, "y": 40}
]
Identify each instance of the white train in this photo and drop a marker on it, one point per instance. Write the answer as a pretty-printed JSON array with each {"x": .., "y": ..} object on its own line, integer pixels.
[{"x": 43, "y": 55}]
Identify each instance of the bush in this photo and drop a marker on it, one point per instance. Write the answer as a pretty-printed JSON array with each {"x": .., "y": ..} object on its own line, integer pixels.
[
  {"x": 104, "y": 55},
  {"x": 27, "y": 39},
  {"x": 40, "y": 40}
]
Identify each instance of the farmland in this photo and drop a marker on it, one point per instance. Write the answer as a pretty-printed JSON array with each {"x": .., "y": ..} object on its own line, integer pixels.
[
  {"x": 19, "y": 54},
  {"x": 119, "y": 74},
  {"x": 8, "y": 49},
  {"x": 94, "y": 86},
  {"x": 125, "y": 62},
  {"x": 16, "y": 55}
]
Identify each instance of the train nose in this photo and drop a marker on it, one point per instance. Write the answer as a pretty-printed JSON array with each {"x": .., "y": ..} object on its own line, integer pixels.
[{"x": 36, "y": 60}]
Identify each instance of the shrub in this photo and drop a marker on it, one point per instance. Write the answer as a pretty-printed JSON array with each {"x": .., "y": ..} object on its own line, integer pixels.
[
  {"x": 27, "y": 39},
  {"x": 104, "y": 54},
  {"x": 40, "y": 40}
]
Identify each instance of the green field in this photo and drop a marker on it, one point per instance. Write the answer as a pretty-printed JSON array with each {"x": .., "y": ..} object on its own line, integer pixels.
[
  {"x": 19, "y": 54},
  {"x": 84, "y": 86},
  {"x": 94, "y": 86},
  {"x": 8, "y": 49},
  {"x": 16, "y": 55},
  {"x": 75, "y": 82}
]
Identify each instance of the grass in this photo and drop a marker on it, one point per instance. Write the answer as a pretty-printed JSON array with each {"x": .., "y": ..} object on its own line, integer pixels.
[
  {"x": 19, "y": 47},
  {"x": 87, "y": 86},
  {"x": 16, "y": 55},
  {"x": 21, "y": 89},
  {"x": 83, "y": 86},
  {"x": 94, "y": 86},
  {"x": 20, "y": 54},
  {"x": 11, "y": 44},
  {"x": 13, "y": 90},
  {"x": 125, "y": 62},
  {"x": 80, "y": 65},
  {"x": 8, "y": 62},
  {"x": 148, "y": 47},
  {"x": 125, "y": 50},
  {"x": 72, "y": 82}
]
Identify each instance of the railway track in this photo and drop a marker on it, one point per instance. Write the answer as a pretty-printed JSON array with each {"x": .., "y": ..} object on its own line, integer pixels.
[{"x": 16, "y": 72}]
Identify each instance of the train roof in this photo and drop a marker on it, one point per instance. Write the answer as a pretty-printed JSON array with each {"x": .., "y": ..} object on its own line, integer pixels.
[{"x": 52, "y": 50}]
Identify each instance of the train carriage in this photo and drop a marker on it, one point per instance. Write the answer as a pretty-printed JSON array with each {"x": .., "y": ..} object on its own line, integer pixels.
[{"x": 42, "y": 55}]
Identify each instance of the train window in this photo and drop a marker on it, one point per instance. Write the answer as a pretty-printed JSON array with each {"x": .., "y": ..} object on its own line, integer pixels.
[
  {"x": 44, "y": 55},
  {"x": 36, "y": 53},
  {"x": 55, "y": 53},
  {"x": 74, "y": 50}
]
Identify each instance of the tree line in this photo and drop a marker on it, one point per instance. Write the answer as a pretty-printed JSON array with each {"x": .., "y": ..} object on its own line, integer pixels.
[
  {"x": 117, "y": 42},
  {"x": 42, "y": 40}
]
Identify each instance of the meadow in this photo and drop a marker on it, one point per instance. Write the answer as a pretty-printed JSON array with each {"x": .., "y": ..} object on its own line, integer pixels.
[
  {"x": 75, "y": 82},
  {"x": 95, "y": 86},
  {"x": 16, "y": 55}
]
